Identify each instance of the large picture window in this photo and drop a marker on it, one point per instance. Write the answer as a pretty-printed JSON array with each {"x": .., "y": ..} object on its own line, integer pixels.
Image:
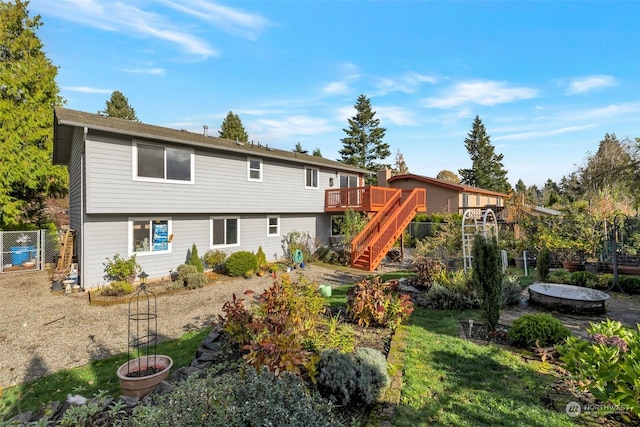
[
  {"x": 150, "y": 235},
  {"x": 311, "y": 178},
  {"x": 155, "y": 162},
  {"x": 254, "y": 169},
  {"x": 225, "y": 231}
]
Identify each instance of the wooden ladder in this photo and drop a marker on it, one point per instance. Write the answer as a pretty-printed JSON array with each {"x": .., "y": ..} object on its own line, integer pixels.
[{"x": 66, "y": 251}]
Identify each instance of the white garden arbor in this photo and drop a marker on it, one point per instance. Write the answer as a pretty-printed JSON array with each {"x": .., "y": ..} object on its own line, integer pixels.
[{"x": 488, "y": 227}]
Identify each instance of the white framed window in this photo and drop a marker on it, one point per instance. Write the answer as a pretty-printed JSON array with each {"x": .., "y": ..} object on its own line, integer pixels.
[
  {"x": 153, "y": 162},
  {"x": 254, "y": 169},
  {"x": 310, "y": 177},
  {"x": 273, "y": 226},
  {"x": 149, "y": 235},
  {"x": 225, "y": 231}
]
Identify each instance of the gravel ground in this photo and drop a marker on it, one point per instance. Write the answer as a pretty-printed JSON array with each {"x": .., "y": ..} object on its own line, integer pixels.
[{"x": 41, "y": 332}]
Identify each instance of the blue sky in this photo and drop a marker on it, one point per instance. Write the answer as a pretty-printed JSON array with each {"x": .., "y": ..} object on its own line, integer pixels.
[{"x": 548, "y": 79}]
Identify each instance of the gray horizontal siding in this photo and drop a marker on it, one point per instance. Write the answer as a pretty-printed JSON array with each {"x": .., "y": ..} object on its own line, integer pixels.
[
  {"x": 220, "y": 186},
  {"x": 107, "y": 235}
]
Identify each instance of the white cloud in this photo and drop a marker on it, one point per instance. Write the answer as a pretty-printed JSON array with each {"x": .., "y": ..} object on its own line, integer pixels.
[
  {"x": 481, "y": 92},
  {"x": 587, "y": 84},
  {"x": 407, "y": 83},
  {"x": 336, "y": 88},
  {"x": 154, "y": 71},
  {"x": 86, "y": 89},
  {"x": 233, "y": 21},
  {"x": 396, "y": 115},
  {"x": 123, "y": 18},
  {"x": 541, "y": 133},
  {"x": 273, "y": 131}
]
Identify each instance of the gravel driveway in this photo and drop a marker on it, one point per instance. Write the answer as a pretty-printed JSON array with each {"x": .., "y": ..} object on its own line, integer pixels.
[{"x": 41, "y": 332}]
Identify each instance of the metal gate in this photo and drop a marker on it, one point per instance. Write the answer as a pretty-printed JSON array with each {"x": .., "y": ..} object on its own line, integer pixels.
[{"x": 26, "y": 250}]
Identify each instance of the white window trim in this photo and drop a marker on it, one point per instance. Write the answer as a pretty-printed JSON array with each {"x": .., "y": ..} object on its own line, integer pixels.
[
  {"x": 146, "y": 218},
  {"x": 277, "y": 233},
  {"x": 134, "y": 169},
  {"x": 224, "y": 245},
  {"x": 317, "y": 171},
  {"x": 249, "y": 159}
]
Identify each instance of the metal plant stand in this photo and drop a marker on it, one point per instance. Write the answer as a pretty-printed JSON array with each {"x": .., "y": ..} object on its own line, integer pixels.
[{"x": 144, "y": 369}]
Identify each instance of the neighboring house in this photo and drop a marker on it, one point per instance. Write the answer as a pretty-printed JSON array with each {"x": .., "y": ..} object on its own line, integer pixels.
[
  {"x": 151, "y": 191},
  {"x": 446, "y": 196}
]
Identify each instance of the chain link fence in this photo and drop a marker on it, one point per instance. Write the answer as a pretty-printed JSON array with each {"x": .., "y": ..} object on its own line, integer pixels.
[{"x": 27, "y": 250}]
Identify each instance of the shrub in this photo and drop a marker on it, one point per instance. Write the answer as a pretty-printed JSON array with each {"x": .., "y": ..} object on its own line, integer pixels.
[
  {"x": 487, "y": 276},
  {"x": 607, "y": 364},
  {"x": 196, "y": 280},
  {"x": 335, "y": 335},
  {"x": 511, "y": 291},
  {"x": 119, "y": 269},
  {"x": 543, "y": 264},
  {"x": 195, "y": 260},
  {"x": 560, "y": 276},
  {"x": 326, "y": 254},
  {"x": 605, "y": 280},
  {"x": 443, "y": 298},
  {"x": 215, "y": 259},
  {"x": 296, "y": 240},
  {"x": 371, "y": 302},
  {"x": 278, "y": 330},
  {"x": 117, "y": 289},
  {"x": 240, "y": 262},
  {"x": 184, "y": 271},
  {"x": 261, "y": 258},
  {"x": 630, "y": 284},
  {"x": 540, "y": 329},
  {"x": 236, "y": 400},
  {"x": 427, "y": 270},
  {"x": 352, "y": 378},
  {"x": 585, "y": 279}
]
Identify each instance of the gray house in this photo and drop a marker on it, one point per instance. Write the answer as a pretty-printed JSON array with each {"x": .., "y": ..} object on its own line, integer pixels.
[{"x": 147, "y": 190}]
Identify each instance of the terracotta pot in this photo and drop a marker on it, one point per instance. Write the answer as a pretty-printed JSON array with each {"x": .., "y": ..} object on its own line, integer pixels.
[
  {"x": 141, "y": 386},
  {"x": 572, "y": 266}
]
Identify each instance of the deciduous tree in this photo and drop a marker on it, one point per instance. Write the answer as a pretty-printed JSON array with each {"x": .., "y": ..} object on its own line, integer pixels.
[
  {"x": 232, "y": 128},
  {"x": 118, "y": 106},
  {"x": 28, "y": 92},
  {"x": 447, "y": 175},
  {"x": 487, "y": 170},
  {"x": 364, "y": 145}
]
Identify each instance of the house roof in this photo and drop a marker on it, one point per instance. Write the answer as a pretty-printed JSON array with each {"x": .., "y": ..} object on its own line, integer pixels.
[
  {"x": 448, "y": 184},
  {"x": 66, "y": 119}
]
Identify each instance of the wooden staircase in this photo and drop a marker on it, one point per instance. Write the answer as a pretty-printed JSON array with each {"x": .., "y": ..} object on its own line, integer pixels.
[{"x": 371, "y": 245}]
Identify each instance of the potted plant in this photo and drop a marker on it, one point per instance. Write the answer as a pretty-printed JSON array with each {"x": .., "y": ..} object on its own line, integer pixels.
[{"x": 144, "y": 369}]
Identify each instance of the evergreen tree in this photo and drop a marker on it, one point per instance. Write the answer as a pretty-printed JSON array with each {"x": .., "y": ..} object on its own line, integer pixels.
[
  {"x": 447, "y": 175},
  {"x": 232, "y": 128},
  {"x": 487, "y": 170},
  {"x": 28, "y": 92},
  {"x": 298, "y": 149},
  {"x": 610, "y": 168},
  {"x": 487, "y": 276},
  {"x": 401, "y": 167},
  {"x": 317, "y": 153},
  {"x": 363, "y": 144},
  {"x": 118, "y": 106}
]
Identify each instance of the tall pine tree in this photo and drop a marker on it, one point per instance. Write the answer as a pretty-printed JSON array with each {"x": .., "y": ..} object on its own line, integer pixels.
[
  {"x": 363, "y": 144},
  {"x": 487, "y": 170},
  {"x": 28, "y": 92},
  {"x": 118, "y": 106},
  {"x": 232, "y": 128}
]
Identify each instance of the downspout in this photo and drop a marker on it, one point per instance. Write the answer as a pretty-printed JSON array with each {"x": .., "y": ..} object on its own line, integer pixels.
[{"x": 82, "y": 151}]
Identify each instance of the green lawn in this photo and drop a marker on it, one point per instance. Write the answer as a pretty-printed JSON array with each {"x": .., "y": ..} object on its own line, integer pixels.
[{"x": 451, "y": 381}]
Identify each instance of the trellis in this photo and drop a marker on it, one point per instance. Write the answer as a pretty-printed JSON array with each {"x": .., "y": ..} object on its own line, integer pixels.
[{"x": 488, "y": 227}]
